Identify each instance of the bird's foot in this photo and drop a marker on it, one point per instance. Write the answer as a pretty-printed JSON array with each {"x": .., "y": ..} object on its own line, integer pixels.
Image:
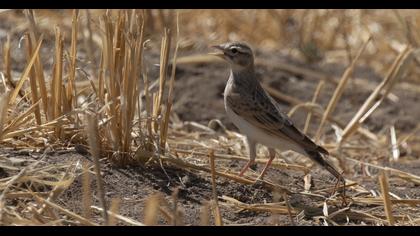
[
  {"x": 248, "y": 165},
  {"x": 241, "y": 174},
  {"x": 260, "y": 178},
  {"x": 253, "y": 167},
  {"x": 341, "y": 190}
]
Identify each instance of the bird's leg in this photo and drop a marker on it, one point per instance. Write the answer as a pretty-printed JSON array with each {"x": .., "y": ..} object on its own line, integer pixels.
[
  {"x": 252, "y": 154},
  {"x": 272, "y": 154},
  {"x": 344, "y": 203},
  {"x": 343, "y": 192}
]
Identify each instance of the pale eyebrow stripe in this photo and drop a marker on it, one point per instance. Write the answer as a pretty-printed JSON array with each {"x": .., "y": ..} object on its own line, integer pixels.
[{"x": 240, "y": 49}]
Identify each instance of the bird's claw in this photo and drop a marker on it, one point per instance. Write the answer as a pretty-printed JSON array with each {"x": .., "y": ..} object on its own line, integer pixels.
[{"x": 253, "y": 167}]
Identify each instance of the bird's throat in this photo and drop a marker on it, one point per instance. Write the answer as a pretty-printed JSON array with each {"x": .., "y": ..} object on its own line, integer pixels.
[{"x": 244, "y": 76}]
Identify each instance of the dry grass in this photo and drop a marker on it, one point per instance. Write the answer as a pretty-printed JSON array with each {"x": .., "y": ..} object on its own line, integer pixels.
[{"x": 129, "y": 122}]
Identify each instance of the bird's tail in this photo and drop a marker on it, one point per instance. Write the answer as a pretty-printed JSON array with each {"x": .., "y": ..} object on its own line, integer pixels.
[{"x": 316, "y": 156}]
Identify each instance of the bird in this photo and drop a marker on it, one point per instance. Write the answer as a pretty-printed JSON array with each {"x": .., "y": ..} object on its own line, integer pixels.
[{"x": 258, "y": 116}]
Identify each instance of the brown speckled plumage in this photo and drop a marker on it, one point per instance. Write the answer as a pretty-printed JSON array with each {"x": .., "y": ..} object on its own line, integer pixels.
[{"x": 257, "y": 114}]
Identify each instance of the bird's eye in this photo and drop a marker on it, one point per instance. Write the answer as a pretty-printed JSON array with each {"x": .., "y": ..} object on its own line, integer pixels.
[{"x": 234, "y": 50}]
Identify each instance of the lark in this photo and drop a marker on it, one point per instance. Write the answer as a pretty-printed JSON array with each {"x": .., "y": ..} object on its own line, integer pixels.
[{"x": 258, "y": 116}]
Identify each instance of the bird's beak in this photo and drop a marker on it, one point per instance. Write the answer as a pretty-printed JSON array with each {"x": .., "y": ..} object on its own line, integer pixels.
[{"x": 219, "y": 53}]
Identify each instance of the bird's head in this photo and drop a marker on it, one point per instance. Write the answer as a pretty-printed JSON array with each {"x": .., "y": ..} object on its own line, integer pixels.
[{"x": 239, "y": 55}]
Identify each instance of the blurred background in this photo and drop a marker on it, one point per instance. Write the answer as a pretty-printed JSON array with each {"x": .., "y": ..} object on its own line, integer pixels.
[{"x": 348, "y": 78}]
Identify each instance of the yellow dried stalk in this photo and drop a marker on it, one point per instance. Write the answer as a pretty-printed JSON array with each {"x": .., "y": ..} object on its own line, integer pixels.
[
  {"x": 294, "y": 101},
  {"x": 164, "y": 55},
  {"x": 57, "y": 81},
  {"x": 310, "y": 106},
  {"x": 204, "y": 214},
  {"x": 119, "y": 51},
  {"x": 132, "y": 21},
  {"x": 175, "y": 220},
  {"x": 94, "y": 144},
  {"x": 281, "y": 96},
  {"x": 336, "y": 188},
  {"x": 65, "y": 211},
  {"x": 20, "y": 120},
  {"x": 161, "y": 19},
  {"x": 339, "y": 90},
  {"x": 151, "y": 209},
  {"x": 314, "y": 98},
  {"x": 120, "y": 68},
  {"x": 398, "y": 173},
  {"x": 277, "y": 209},
  {"x": 165, "y": 121},
  {"x": 162, "y": 208},
  {"x": 405, "y": 24},
  {"x": 405, "y": 138},
  {"x": 25, "y": 73},
  {"x": 110, "y": 82},
  {"x": 396, "y": 70},
  {"x": 240, "y": 158},
  {"x": 4, "y": 102},
  {"x": 19, "y": 194},
  {"x": 126, "y": 103},
  {"x": 149, "y": 106},
  {"x": 357, "y": 215},
  {"x": 40, "y": 219},
  {"x": 166, "y": 214},
  {"x": 88, "y": 40},
  {"x": 12, "y": 180},
  {"x": 164, "y": 127},
  {"x": 233, "y": 177},
  {"x": 394, "y": 147},
  {"x": 40, "y": 180},
  {"x": 130, "y": 90},
  {"x": 60, "y": 121},
  {"x": 60, "y": 186},
  {"x": 7, "y": 67},
  {"x": 379, "y": 201},
  {"x": 120, "y": 217},
  {"x": 383, "y": 180},
  {"x": 198, "y": 59},
  {"x": 17, "y": 220},
  {"x": 32, "y": 80},
  {"x": 217, "y": 216},
  {"x": 65, "y": 107},
  {"x": 30, "y": 16},
  {"x": 114, "y": 208},
  {"x": 70, "y": 91},
  {"x": 86, "y": 192},
  {"x": 101, "y": 80},
  {"x": 39, "y": 70}
]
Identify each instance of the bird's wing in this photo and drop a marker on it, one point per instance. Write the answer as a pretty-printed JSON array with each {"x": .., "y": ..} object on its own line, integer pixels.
[{"x": 261, "y": 110}]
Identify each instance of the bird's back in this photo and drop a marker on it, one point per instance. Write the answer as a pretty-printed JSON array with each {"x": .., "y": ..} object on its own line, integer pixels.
[{"x": 257, "y": 114}]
